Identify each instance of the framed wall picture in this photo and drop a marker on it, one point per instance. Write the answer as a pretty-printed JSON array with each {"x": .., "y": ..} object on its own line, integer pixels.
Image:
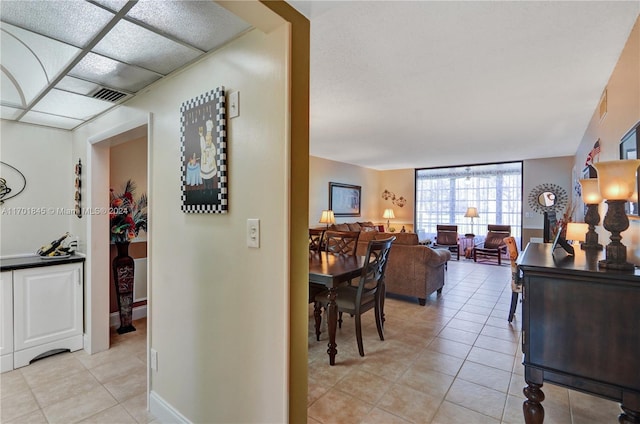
[
  {"x": 629, "y": 147},
  {"x": 203, "y": 151},
  {"x": 344, "y": 199}
]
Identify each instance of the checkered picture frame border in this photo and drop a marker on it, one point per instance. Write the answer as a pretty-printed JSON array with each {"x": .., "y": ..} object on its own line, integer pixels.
[{"x": 220, "y": 122}]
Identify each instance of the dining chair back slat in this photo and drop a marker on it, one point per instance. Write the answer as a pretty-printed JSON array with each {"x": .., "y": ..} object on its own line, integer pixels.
[{"x": 344, "y": 242}]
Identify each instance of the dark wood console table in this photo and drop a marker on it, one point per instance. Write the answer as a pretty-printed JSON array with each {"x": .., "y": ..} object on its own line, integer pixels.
[{"x": 580, "y": 329}]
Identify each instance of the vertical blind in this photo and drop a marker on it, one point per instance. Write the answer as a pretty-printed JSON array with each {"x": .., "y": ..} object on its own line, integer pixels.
[{"x": 444, "y": 194}]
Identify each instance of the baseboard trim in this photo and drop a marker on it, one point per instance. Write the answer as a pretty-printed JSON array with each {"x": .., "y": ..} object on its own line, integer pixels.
[
  {"x": 163, "y": 412},
  {"x": 137, "y": 313}
]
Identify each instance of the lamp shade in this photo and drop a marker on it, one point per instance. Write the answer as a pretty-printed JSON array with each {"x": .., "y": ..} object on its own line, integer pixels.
[
  {"x": 388, "y": 214},
  {"x": 617, "y": 179},
  {"x": 327, "y": 217},
  {"x": 590, "y": 191},
  {"x": 471, "y": 213},
  {"x": 577, "y": 231}
]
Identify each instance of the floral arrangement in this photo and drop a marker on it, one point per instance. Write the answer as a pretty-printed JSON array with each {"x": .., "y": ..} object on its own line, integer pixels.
[
  {"x": 127, "y": 216},
  {"x": 567, "y": 217}
]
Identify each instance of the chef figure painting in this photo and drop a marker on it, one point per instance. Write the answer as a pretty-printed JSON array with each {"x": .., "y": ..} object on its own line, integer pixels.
[{"x": 204, "y": 153}]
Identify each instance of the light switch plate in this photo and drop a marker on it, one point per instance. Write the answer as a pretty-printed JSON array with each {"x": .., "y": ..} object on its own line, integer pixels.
[
  {"x": 253, "y": 233},
  {"x": 234, "y": 104}
]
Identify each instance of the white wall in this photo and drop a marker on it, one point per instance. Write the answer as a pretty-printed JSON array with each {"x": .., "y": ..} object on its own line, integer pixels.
[
  {"x": 44, "y": 210},
  {"x": 623, "y": 112},
  {"x": 323, "y": 171},
  {"x": 219, "y": 309}
]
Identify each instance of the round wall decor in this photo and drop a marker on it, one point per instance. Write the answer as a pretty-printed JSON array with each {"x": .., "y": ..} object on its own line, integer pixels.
[{"x": 548, "y": 197}]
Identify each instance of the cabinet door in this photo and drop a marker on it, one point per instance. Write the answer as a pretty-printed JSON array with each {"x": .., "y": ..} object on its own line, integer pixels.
[
  {"x": 6, "y": 321},
  {"x": 47, "y": 304}
]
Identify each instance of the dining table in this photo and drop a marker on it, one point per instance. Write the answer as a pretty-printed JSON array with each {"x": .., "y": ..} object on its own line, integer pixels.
[{"x": 333, "y": 270}]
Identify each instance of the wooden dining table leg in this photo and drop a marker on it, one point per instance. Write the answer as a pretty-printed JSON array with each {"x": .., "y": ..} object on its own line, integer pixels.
[{"x": 332, "y": 323}]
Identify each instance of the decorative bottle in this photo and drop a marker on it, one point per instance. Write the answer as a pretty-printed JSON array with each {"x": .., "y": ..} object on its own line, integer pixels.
[{"x": 48, "y": 248}]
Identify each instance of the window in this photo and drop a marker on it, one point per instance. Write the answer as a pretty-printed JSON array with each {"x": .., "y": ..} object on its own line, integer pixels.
[{"x": 444, "y": 194}]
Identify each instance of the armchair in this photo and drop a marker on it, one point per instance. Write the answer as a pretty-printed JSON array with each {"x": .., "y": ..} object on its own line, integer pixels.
[
  {"x": 447, "y": 238},
  {"x": 493, "y": 245}
]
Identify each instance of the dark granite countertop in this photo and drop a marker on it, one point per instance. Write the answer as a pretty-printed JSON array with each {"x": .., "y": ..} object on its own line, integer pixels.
[{"x": 10, "y": 264}]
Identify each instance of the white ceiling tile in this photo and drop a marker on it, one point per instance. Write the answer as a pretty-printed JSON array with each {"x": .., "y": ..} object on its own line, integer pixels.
[
  {"x": 50, "y": 120},
  {"x": 76, "y": 85},
  {"x": 72, "y": 21},
  {"x": 132, "y": 44},
  {"x": 71, "y": 105},
  {"x": 112, "y": 73},
  {"x": 210, "y": 25},
  {"x": 10, "y": 113},
  {"x": 32, "y": 60}
]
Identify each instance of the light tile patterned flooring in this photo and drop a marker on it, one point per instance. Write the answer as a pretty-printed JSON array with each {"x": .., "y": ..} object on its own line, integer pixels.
[
  {"x": 108, "y": 387},
  {"x": 455, "y": 360}
]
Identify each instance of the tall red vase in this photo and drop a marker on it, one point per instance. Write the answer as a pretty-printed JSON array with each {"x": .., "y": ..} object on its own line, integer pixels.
[{"x": 123, "y": 273}]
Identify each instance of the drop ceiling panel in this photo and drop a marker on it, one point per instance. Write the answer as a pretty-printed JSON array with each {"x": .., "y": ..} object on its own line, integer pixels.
[
  {"x": 50, "y": 120},
  {"x": 74, "y": 22},
  {"x": 7, "y": 112},
  {"x": 209, "y": 24},
  {"x": 71, "y": 105},
  {"x": 130, "y": 43},
  {"x": 32, "y": 61},
  {"x": 112, "y": 73},
  {"x": 76, "y": 85},
  {"x": 42, "y": 39},
  {"x": 11, "y": 93}
]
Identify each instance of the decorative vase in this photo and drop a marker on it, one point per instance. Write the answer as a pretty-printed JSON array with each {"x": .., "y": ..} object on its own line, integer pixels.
[{"x": 123, "y": 272}]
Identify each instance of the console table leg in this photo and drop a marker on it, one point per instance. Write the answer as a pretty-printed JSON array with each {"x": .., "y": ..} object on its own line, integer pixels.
[
  {"x": 629, "y": 416},
  {"x": 532, "y": 407}
]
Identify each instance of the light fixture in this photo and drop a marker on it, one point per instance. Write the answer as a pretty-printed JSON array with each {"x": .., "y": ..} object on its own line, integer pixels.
[
  {"x": 591, "y": 197},
  {"x": 617, "y": 184},
  {"x": 327, "y": 217},
  {"x": 388, "y": 213},
  {"x": 577, "y": 231},
  {"x": 471, "y": 213}
]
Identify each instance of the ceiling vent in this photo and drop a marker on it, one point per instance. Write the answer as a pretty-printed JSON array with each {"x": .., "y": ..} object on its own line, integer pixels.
[{"x": 108, "y": 95}]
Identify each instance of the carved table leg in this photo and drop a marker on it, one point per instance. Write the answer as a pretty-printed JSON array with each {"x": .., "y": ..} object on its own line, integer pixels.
[
  {"x": 629, "y": 416},
  {"x": 532, "y": 408},
  {"x": 317, "y": 315},
  {"x": 332, "y": 321}
]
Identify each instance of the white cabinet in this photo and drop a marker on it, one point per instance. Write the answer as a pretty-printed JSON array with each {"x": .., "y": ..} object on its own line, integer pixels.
[
  {"x": 47, "y": 311},
  {"x": 6, "y": 321}
]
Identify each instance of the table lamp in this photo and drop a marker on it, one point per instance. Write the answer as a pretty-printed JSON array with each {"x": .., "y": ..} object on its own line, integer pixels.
[
  {"x": 577, "y": 231},
  {"x": 388, "y": 213},
  {"x": 327, "y": 217},
  {"x": 471, "y": 213},
  {"x": 617, "y": 184},
  {"x": 591, "y": 197}
]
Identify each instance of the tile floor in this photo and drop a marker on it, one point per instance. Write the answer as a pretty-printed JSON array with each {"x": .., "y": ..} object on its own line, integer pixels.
[
  {"x": 455, "y": 360},
  {"x": 108, "y": 387}
]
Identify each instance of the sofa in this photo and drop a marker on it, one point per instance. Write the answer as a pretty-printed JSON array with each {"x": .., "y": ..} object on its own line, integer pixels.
[{"x": 413, "y": 270}]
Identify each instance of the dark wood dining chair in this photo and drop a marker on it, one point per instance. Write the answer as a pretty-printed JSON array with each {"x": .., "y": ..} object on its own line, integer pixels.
[
  {"x": 493, "y": 245},
  {"x": 368, "y": 294},
  {"x": 447, "y": 237},
  {"x": 315, "y": 245},
  {"x": 516, "y": 280},
  {"x": 315, "y": 239},
  {"x": 344, "y": 242}
]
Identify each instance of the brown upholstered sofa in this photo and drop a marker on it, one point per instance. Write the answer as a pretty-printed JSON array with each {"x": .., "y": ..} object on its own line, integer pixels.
[{"x": 413, "y": 270}]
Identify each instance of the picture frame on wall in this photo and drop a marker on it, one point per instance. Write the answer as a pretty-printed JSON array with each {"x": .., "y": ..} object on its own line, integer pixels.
[
  {"x": 629, "y": 148},
  {"x": 344, "y": 199},
  {"x": 203, "y": 149}
]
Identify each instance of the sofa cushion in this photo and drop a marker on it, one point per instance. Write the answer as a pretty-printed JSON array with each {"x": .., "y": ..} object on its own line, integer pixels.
[
  {"x": 354, "y": 226},
  {"x": 341, "y": 227},
  {"x": 401, "y": 238}
]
